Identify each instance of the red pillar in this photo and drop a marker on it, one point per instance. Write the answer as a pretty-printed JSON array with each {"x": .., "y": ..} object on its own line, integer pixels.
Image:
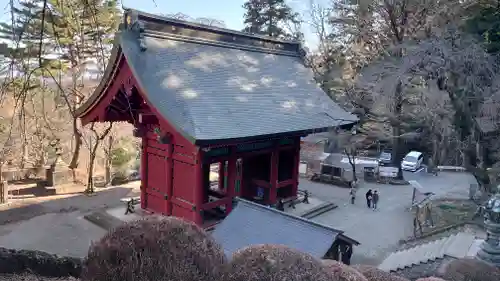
[
  {"x": 238, "y": 178},
  {"x": 144, "y": 171},
  {"x": 273, "y": 190},
  {"x": 170, "y": 179},
  {"x": 198, "y": 189},
  {"x": 231, "y": 180},
  {"x": 296, "y": 163},
  {"x": 222, "y": 174}
]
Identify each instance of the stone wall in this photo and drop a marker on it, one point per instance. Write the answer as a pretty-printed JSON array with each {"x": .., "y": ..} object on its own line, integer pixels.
[{"x": 39, "y": 263}]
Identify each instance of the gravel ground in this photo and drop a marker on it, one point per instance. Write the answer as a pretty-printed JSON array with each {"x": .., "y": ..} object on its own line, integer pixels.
[
  {"x": 379, "y": 231},
  {"x": 24, "y": 209},
  {"x": 56, "y": 224}
]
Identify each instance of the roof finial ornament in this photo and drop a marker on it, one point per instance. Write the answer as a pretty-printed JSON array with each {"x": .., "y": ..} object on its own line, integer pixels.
[
  {"x": 133, "y": 23},
  {"x": 490, "y": 249}
]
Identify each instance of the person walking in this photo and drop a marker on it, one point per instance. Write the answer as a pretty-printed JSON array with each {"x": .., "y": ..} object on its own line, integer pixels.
[
  {"x": 369, "y": 197},
  {"x": 352, "y": 193},
  {"x": 375, "y": 200}
]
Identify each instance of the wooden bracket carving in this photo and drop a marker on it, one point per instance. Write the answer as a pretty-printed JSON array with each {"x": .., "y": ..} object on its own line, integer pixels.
[
  {"x": 133, "y": 23},
  {"x": 163, "y": 138},
  {"x": 128, "y": 84}
]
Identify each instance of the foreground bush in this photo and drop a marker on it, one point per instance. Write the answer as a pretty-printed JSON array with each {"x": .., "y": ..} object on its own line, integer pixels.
[
  {"x": 273, "y": 262},
  {"x": 374, "y": 274},
  {"x": 32, "y": 277},
  {"x": 39, "y": 263},
  {"x": 342, "y": 272},
  {"x": 469, "y": 269},
  {"x": 154, "y": 249}
]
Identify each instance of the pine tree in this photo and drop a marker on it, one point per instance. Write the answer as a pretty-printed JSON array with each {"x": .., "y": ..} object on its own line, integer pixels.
[
  {"x": 273, "y": 18},
  {"x": 485, "y": 23},
  {"x": 54, "y": 36}
]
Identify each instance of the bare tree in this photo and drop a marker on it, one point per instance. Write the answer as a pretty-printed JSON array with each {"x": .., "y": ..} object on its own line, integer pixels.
[
  {"x": 454, "y": 65},
  {"x": 350, "y": 142},
  {"x": 108, "y": 148},
  {"x": 96, "y": 139}
]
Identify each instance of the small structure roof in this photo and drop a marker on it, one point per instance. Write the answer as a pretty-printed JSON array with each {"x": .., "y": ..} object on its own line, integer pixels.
[
  {"x": 487, "y": 125},
  {"x": 316, "y": 138},
  {"x": 218, "y": 84},
  {"x": 252, "y": 224}
]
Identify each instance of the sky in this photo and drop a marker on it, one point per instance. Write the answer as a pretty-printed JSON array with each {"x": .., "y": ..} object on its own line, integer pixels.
[{"x": 229, "y": 11}]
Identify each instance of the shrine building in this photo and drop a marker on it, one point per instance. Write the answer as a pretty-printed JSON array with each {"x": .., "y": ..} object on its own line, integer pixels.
[{"x": 201, "y": 95}]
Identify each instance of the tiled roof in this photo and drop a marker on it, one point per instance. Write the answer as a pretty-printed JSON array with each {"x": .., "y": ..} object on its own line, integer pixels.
[
  {"x": 487, "y": 124},
  {"x": 253, "y": 224},
  {"x": 214, "y": 90}
]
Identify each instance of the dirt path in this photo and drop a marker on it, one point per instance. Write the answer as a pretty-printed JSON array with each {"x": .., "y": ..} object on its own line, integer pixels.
[
  {"x": 24, "y": 209},
  {"x": 56, "y": 224}
]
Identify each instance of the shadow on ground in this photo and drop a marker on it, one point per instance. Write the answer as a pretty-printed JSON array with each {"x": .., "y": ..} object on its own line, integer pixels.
[
  {"x": 19, "y": 210},
  {"x": 56, "y": 224}
]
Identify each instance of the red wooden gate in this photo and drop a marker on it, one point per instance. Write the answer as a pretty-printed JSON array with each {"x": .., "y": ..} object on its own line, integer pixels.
[{"x": 157, "y": 174}]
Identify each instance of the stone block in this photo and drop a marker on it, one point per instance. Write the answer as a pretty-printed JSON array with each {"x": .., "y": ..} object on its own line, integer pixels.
[
  {"x": 58, "y": 175},
  {"x": 4, "y": 192}
]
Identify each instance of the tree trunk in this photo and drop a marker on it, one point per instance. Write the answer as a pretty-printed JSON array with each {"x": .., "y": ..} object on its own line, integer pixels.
[
  {"x": 73, "y": 104},
  {"x": 396, "y": 128},
  {"x": 352, "y": 161},
  {"x": 108, "y": 160},
  {"x": 90, "y": 172},
  {"x": 77, "y": 136},
  {"x": 24, "y": 144},
  {"x": 93, "y": 150}
]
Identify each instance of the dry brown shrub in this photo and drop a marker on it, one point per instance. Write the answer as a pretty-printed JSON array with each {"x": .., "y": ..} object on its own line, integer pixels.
[
  {"x": 274, "y": 262},
  {"x": 469, "y": 269},
  {"x": 343, "y": 272},
  {"x": 32, "y": 277},
  {"x": 155, "y": 249},
  {"x": 432, "y": 278},
  {"x": 374, "y": 274}
]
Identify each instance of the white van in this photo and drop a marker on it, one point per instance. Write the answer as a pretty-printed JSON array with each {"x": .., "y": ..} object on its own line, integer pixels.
[{"x": 412, "y": 161}]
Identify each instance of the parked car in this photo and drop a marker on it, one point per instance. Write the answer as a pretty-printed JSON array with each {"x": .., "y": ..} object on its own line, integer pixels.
[
  {"x": 385, "y": 158},
  {"x": 412, "y": 161}
]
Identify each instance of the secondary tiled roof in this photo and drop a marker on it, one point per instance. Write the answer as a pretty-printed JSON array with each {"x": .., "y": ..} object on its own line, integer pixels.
[
  {"x": 253, "y": 224},
  {"x": 214, "y": 90}
]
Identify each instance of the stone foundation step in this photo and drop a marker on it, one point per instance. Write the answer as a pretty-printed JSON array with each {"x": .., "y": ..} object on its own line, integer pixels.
[
  {"x": 456, "y": 246},
  {"x": 318, "y": 210},
  {"x": 104, "y": 220},
  {"x": 69, "y": 188}
]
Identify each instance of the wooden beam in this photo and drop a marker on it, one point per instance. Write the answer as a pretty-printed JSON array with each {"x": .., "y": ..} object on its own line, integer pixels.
[
  {"x": 216, "y": 203},
  {"x": 261, "y": 183},
  {"x": 148, "y": 118}
]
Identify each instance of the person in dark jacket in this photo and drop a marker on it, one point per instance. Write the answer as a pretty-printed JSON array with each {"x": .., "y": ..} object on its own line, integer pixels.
[
  {"x": 369, "y": 197},
  {"x": 280, "y": 206},
  {"x": 375, "y": 200}
]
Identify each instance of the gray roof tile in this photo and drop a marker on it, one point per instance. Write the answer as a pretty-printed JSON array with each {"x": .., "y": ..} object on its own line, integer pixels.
[
  {"x": 212, "y": 92},
  {"x": 219, "y": 84},
  {"x": 252, "y": 224}
]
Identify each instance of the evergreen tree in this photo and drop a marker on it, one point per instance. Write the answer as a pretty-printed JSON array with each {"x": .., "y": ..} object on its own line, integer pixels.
[
  {"x": 72, "y": 31},
  {"x": 273, "y": 18},
  {"x": 485, "y": 23},
  {"x": 54, "y": 36}
]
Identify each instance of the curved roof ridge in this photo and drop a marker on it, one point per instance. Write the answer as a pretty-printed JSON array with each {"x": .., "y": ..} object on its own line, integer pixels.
[
  {"x": 144, "y": 16},
  {"x": 146, "y": 23},
  {"x": 109, "y": 72}
]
